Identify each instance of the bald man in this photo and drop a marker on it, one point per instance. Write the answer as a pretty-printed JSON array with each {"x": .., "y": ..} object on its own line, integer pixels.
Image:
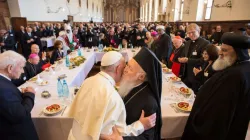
[{"x": 43, "y": 59}]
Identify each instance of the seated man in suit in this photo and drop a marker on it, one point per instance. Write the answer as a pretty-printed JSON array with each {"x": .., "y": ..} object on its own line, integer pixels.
[{"x": 15, "y": 106}]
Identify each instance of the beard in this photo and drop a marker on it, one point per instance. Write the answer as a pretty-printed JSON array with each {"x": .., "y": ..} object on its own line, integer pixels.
[
  {"x": 223, "y": 63},
  {"x": 125, "y": 87}
]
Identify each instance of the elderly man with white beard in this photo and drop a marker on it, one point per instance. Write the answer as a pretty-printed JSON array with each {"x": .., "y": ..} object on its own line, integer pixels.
[
  {"x": 221, "y": 110},
  {"x": 141, "y": 89},
  {"x": 98, "y": 107}
]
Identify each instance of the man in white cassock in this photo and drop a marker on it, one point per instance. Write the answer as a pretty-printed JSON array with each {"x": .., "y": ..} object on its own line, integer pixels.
[{"x": 98, "y": 107}]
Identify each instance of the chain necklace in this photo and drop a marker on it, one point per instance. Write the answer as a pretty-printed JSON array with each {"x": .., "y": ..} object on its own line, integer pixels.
[
  {"x": 106, "y": 78},
  {"x": 135, "y": 94}
]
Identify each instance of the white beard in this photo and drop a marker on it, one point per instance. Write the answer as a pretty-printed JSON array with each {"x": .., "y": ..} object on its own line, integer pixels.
[
  {"x": 221, "y": 64},
  {"x": 125, "y": 88}
]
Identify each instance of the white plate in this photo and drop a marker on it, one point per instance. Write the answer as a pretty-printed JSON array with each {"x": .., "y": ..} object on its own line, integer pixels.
[
  {"x": 168, "y": 70},
  {"x": 178, "y": 80},
  {"x": 46, "y": 112},
  {"x": 184, "y": 110},
  {"x": 43, "y": 83}
]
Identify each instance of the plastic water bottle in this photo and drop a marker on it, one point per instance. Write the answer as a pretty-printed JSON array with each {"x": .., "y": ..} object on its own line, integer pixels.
[
  {"x": 59, "y": 88},
  {"x": 65, "y": 89},
  {"x": 132, "y": 46},
  {"x": 79, "y": 52},
  {"x": 120, "y": 46},
  {"x": 100, "y": 47},
  {"x": 67, "y": 61}
]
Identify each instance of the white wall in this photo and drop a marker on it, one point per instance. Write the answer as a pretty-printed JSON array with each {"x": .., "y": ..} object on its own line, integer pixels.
[
  {"x": 190, "y": 10},
  {"x": 240, "y": 11},
  {"x": 36, "y": 10}
]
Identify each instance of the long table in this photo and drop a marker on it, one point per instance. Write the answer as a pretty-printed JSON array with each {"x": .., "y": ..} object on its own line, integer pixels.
[{"x": 58, "y": 127}]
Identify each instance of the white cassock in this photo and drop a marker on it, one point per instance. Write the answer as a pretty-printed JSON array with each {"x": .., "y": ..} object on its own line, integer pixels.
[
  {"x": 97, "y": 108},
  {"x": 65, "y": 46}
]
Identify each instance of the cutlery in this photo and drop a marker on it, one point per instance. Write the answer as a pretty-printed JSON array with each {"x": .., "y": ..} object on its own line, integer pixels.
[{"x": 63, "y": 110}]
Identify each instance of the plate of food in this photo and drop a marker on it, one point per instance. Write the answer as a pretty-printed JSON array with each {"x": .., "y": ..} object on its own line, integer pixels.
[
  {"x": 33, "y": 79},
  {"x": 45, "y": 94},
  {"x": 175, "y": 79},
  {"x": 163, "y": 65},
  {"x": 166, "y": 70},
  {"x": 185, "y": 91},
  {"x": 43, "y": 83},
  {"x": 184, "y": 106},
  {"x": 52, "y": 109}
]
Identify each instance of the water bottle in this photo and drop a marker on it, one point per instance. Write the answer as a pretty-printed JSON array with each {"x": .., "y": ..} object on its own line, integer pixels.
[
  {"x": 120, "y": 46},
  {"x": 100, "y": 47},
  {"x": 65, "y": 89},
  {"x": 59, "y": 88},
  {"x": 132, "y": 46},
  {"x": 67, "y": 61},
  {"x": 79, "y": 52}
]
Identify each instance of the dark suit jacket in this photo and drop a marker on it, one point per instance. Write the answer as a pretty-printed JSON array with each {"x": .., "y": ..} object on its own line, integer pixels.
[
  {"x": 55, "y": 56},
  {"x": 37, "y": 37},
  {"x": 82, "y": 35},
  {"x": 141, "y": 41},
  {"x": 163, "y": 47},
  {"x": 9, "y": 43},
  {"x": 27, "y": 46},
  {"x": 15, "y": 117}
]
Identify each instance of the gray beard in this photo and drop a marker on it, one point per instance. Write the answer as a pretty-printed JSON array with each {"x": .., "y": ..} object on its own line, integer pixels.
[
  {"x": 125, "y": 88},
  {"x": 221, "y": 64}
]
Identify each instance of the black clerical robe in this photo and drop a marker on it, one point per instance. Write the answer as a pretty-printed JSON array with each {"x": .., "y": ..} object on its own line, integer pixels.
[
  {"x": 216, "y": 38},
  {"x": 143, "y": 100},
  {"x": 203, "y": 76},
  {"x": 30, "y": 70},
  {"x": 221, "y": 110},
  {"x": 193, "y": 51}
]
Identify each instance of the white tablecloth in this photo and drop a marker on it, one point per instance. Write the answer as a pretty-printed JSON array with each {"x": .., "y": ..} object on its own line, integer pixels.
[
  {"x": 48, "y": 41},
  {"x": 57, "y": 127}
]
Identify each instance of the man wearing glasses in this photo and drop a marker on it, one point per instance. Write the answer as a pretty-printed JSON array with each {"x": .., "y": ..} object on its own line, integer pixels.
[{"x": 192, "y": 53}]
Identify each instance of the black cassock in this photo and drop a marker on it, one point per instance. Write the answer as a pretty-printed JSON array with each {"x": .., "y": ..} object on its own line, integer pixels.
[
  {"x": 143, "y": 100},
  {"x": 221, "y": 110},
  {"x": 146, "y": 96},
  {"x": 30, "y": 70}
]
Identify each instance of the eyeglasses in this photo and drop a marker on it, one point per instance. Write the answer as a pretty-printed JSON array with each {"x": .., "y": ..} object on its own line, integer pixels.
[{"x": 191, "y": 32}]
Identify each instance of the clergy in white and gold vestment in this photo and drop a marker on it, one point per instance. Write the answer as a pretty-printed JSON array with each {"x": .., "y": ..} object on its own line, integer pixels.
[{"x": 98, "y": 106}]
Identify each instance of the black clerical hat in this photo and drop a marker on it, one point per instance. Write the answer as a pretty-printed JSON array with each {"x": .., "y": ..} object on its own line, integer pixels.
[
  {"x": 240, "y": 43},
  {"x": 235, "y": 40}
]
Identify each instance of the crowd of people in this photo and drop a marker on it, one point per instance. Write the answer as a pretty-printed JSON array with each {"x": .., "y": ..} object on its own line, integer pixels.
[{"x": 216, "y": 68}]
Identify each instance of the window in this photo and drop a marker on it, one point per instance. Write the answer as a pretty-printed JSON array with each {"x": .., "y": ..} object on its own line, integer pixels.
[
  {"x": 181, "y": 12},
  {"x": 209, "y": 9}
]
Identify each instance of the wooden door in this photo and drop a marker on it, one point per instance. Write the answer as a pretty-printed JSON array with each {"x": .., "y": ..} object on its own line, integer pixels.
[{"x": 16, "y": 22}]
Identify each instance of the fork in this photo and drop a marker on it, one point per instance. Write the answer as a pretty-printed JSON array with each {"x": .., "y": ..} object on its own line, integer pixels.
[{"x": 63, "y": 110}]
